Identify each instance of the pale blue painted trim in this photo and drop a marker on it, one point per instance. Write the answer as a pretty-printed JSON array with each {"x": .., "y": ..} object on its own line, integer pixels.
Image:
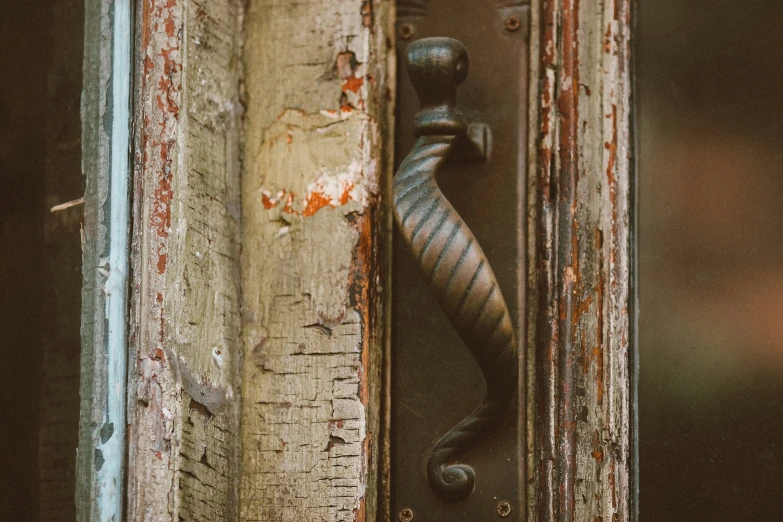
[{"x": 112, "y": 436}]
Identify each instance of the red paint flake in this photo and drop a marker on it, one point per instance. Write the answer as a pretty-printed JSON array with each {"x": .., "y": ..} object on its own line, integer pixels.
[
  {"x": 345, "y": 69},
  {"x": 598, "y": 455},
  {"x": 169, "y": 27},
  {"x": 161, "y": 211},
  {"x": 316, "y": 199},
  {"x": 148, "y": 65},
  {"x": 360, "y": 514},
  {"x": 315, "y": 202},
  {"x": 366, "y": 12},
  {"x": 162, "y": 260},
  {"x": 353, "y": 84},
  {"x": 362, "y": 294},
  {"x": 345, "y": 197}
]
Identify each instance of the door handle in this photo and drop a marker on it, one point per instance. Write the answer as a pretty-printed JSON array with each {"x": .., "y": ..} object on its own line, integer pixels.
[{"x": 451, "y": 260}]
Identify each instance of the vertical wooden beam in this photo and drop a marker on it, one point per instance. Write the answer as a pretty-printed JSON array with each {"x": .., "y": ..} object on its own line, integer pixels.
[
  {"x": 105, "y": 150},
  {"x": 183, "y": 406},
  {"x": 319, "y": 89},
  {"x": 582, "y": 271}
]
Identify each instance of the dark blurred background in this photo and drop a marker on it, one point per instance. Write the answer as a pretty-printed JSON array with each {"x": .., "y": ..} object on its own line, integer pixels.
[
  {"x": 41, "y": 44},
  {"x": 710, "y": 122}
]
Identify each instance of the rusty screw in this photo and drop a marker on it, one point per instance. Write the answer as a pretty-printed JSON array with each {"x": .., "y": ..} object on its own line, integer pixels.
[
  {"x": 406, "y": 31},
  {"x": 513, "y": 23},
  {"x": 406, "y": 515},
  {"x": 504, "y": 509}
]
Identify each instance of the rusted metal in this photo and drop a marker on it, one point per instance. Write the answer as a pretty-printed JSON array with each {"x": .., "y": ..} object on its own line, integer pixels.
[
  {"x": 406, "y": 515},
  {"x": 513, "y": 23},
  {"x": 582, "y": 263},
  {"x": 406, "y": 31},
  {"x": 504, "y": 509}
]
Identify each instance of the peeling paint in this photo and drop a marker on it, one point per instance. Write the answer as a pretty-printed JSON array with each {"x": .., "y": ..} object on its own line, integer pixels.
[
  {"x": 186, "y": 301},
  {"x": 311, "y": 249},
  {"x": 582, "y": 264}
]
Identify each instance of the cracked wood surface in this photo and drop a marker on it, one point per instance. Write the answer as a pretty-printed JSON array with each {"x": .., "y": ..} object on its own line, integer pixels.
[
  {"x": 581, "y": 219},
  {"x": 318, "y": 97},
  {"x": 185, "y": 323}
]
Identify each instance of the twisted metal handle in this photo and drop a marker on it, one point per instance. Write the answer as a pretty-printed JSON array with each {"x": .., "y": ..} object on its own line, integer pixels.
[{"x": 451, "y": 260}]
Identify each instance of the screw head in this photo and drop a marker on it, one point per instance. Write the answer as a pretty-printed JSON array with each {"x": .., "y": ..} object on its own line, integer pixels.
[
  {"x": 513, "y": 23},
  {"x": 504, "y": 509},
  {"x": 406, "y": 515},
  {"x": 406, "y": 31}
]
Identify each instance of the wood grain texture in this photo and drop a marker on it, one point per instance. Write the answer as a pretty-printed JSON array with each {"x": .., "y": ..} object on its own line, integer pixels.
[
  {"x": 580, "y": 378},
  {"x": 318, "y": 85},
  {"x": 185, "y": 323}
]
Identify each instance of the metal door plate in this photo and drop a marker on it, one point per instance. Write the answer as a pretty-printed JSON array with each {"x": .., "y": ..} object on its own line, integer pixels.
[{"x": 436, "y": 383}]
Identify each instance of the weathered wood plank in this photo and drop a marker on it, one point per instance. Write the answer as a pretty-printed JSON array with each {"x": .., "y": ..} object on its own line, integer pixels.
[
  {"x": 185, "y": 319},
  {"x": 318, "y": 85},
  {"x": 581, "y": 379},
  {"x": 105, "y": 143}
]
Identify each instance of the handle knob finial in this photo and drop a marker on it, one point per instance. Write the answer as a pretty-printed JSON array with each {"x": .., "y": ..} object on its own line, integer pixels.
[{"x": 436, "y": 67}]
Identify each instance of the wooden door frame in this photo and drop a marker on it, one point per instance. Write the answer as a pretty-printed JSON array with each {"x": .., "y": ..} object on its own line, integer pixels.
[
  {"x": 581, "y": 305},
  {"x": 106, "y": 141},
  {"x": 222, "y": 94}
]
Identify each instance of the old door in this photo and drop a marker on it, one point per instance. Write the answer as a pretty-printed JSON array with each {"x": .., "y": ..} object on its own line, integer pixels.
[
  {"x": 383, "y": 260},
  {"x": 275, "y": 324},
  {"x": 286, "y": 315}
]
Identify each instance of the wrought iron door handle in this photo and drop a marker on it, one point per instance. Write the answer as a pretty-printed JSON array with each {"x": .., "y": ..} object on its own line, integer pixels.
[{"x": 451, "y": 260}]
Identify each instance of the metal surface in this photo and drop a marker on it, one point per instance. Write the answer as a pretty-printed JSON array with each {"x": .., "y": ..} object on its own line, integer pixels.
[
  {"x": 436, "y": 381},
  {"x": 451, "y": 259}
]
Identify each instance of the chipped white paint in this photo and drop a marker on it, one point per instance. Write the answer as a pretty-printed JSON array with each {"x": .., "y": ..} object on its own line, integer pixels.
[
  {"x": 315, "y": 129},
  {"x": 580, "y": 236},
  {"x": 333, "y": 176},
  {"x": 338, "y": 189},
  {"x": 183, "y": 462}
]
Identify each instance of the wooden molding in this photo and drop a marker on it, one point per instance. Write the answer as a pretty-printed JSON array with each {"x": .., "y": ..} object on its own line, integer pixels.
[
  {"x": 185, "y": 323},
  {"x": 317, "y": 132},
  {"x": 581, "y": 217}
]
